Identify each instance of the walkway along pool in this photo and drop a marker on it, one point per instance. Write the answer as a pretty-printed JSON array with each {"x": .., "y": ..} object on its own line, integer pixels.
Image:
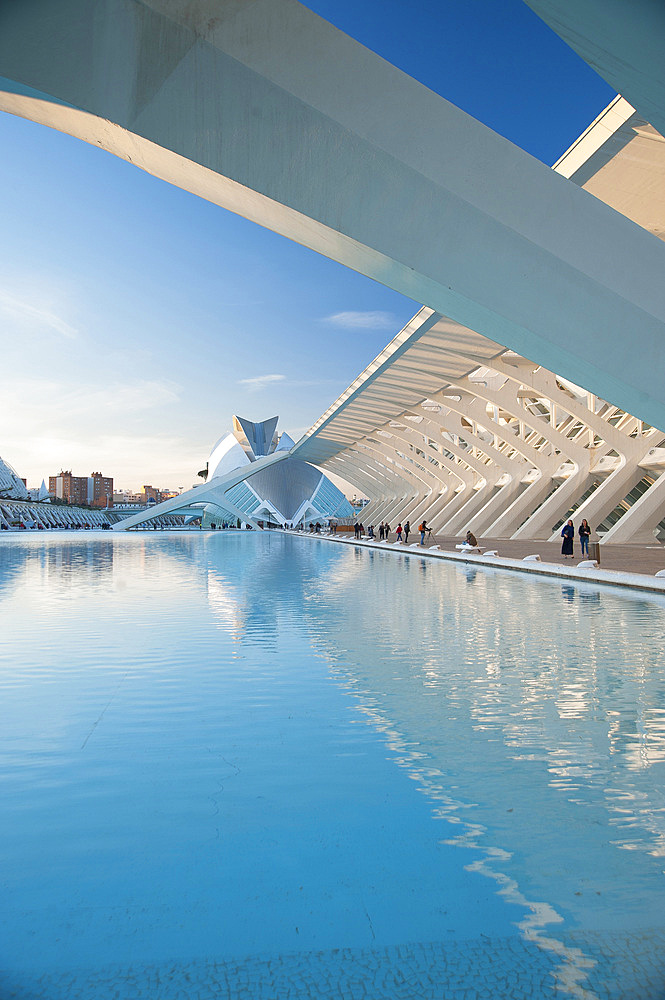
[{"x": 257, "y": 765}]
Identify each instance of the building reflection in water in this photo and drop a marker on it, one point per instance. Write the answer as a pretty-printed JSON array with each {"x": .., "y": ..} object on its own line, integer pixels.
[
  {"x": 85, "y": 561},
  {"x": 268, "y": 598},
  {"x": 532, "y": 716},
  {"x": 530, "y": 713}
]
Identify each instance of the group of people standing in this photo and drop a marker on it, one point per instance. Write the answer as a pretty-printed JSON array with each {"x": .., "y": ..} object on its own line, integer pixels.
[
  {"x": 402, "y": 531},
  {"x": 568, "y": 535}
]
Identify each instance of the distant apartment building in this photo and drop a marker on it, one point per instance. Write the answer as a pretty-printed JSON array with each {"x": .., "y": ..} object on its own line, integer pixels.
[
  {"x": 95, "y": 490},
  {"x": 152, "y": 495},
  {"x": 123, "y": 498},
  {"x": 149, "y": 495},
  {"x": 102, "y": 490}
]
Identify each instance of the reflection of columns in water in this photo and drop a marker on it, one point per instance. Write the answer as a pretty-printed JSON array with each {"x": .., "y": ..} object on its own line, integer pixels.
[
  {"x": 253, "y": 608},
  {"x": 401, "y": 703},
  {"x": 225, "y": 603},
  {"x": 83, "y": 562},
  {"x": 509, "y": 689}
]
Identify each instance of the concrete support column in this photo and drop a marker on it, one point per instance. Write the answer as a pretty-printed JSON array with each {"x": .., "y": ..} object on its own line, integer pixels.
[
  {"x": 539, "y": 523},
  {"x": 479, "y": 522},
  {"x": 610, "y": 492},
  {"x": 637, "y": 524}
]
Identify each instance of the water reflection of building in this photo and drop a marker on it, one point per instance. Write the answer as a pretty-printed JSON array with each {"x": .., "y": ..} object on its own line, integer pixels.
[
  {"x": 252, "y": 611},
  {"x": 531, "y": 719},
  {"x": 85, "y": 561}
]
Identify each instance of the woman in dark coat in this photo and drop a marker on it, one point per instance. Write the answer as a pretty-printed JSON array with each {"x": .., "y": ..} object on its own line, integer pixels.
[
  {"x": 567, "y": 533},
  {"x": 584, "y": 533}
]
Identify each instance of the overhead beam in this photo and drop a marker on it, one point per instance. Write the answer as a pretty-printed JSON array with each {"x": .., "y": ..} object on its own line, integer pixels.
[
  {"x": 622, "y": 41},
  {"x": 268, "y": 110}
]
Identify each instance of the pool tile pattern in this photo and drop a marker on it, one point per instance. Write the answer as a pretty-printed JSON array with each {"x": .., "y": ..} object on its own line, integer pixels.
[{"x": 628, "y": 968}]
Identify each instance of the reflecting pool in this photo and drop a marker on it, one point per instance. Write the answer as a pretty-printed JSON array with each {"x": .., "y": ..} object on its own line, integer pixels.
[{"x": 243, "y": 764}]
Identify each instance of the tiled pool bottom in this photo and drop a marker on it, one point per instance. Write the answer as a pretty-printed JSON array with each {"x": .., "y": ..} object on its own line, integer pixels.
[
  {"x": 628, "y": 967},
  {"x": 239, "y": 765}
]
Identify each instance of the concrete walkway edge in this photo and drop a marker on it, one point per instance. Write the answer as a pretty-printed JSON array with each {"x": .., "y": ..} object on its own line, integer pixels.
[{"x": 615, "y": 578}]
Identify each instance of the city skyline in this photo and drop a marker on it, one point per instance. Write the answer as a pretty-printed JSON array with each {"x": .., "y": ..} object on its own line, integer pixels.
[{"x": 136, "y": 318}]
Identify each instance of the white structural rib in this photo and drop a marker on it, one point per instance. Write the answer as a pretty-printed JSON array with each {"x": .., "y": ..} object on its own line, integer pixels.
[
  {"x": 428, "y": 351},
  {"x": 471, "y": 435}
]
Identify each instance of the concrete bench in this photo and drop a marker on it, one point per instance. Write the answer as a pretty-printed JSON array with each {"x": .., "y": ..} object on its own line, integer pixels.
[{"x": 465, "y": 547}]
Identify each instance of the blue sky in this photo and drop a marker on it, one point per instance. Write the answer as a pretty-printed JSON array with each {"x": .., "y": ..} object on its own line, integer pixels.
[{"x": 136, "y": 318}]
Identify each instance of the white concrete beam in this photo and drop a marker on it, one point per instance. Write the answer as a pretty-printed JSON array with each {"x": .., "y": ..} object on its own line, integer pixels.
[
  {"x": 622, "y": 41},
  {"x": 269, "y": 111},
  {"x": 637, "y": 524}
]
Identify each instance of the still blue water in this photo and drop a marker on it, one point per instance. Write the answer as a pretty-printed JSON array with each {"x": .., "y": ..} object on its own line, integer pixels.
[{"x": 243, "y": 764}]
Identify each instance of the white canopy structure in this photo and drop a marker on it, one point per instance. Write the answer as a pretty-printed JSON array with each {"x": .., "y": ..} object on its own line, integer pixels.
[
  {"x": 450, "y": 426},
  {"x": 11, "y": 487},
  {"x": 473, "y": 414},
  {"x": 447, "y": 426}
]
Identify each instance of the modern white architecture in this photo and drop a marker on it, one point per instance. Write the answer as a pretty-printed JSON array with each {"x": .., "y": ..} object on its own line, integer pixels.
[
  {"x": 448, "y": 425},
  {"x": 252, "y": 476},
  {"x": 11, "y": 487},
  {"x": 532, "y": 383},
  {"x": 19, "y": 514}
]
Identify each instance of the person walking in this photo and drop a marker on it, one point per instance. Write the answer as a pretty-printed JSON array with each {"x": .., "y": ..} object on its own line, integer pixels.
[
  {"x": 568, "y": 534},
  {"x": 356, "y": 529},
  {"x": 584, "y": 531},
  {"x": 407, "y": 529},
  {"x": 382, "y": 532},
  {"x": 399, "y": 532},
  {"x": 386, "y": 529}
]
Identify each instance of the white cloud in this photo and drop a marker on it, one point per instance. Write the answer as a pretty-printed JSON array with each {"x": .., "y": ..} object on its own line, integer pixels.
[
  {"x": 299, "y": 383},
  {"x": 261, "y": 381},
  {"x": 34, "y": 316},
  {"x": 370, "y": 320}
]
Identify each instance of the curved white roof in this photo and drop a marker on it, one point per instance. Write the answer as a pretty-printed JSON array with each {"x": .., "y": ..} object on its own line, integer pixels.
[
  {"x": 10, "y": 484},
  {"x": 226, "y": 456}
]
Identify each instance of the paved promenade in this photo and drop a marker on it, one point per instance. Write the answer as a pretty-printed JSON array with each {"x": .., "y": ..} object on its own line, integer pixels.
[
  {"x": 621, "y": 565},
  {"x": 647, "y": 559}
]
